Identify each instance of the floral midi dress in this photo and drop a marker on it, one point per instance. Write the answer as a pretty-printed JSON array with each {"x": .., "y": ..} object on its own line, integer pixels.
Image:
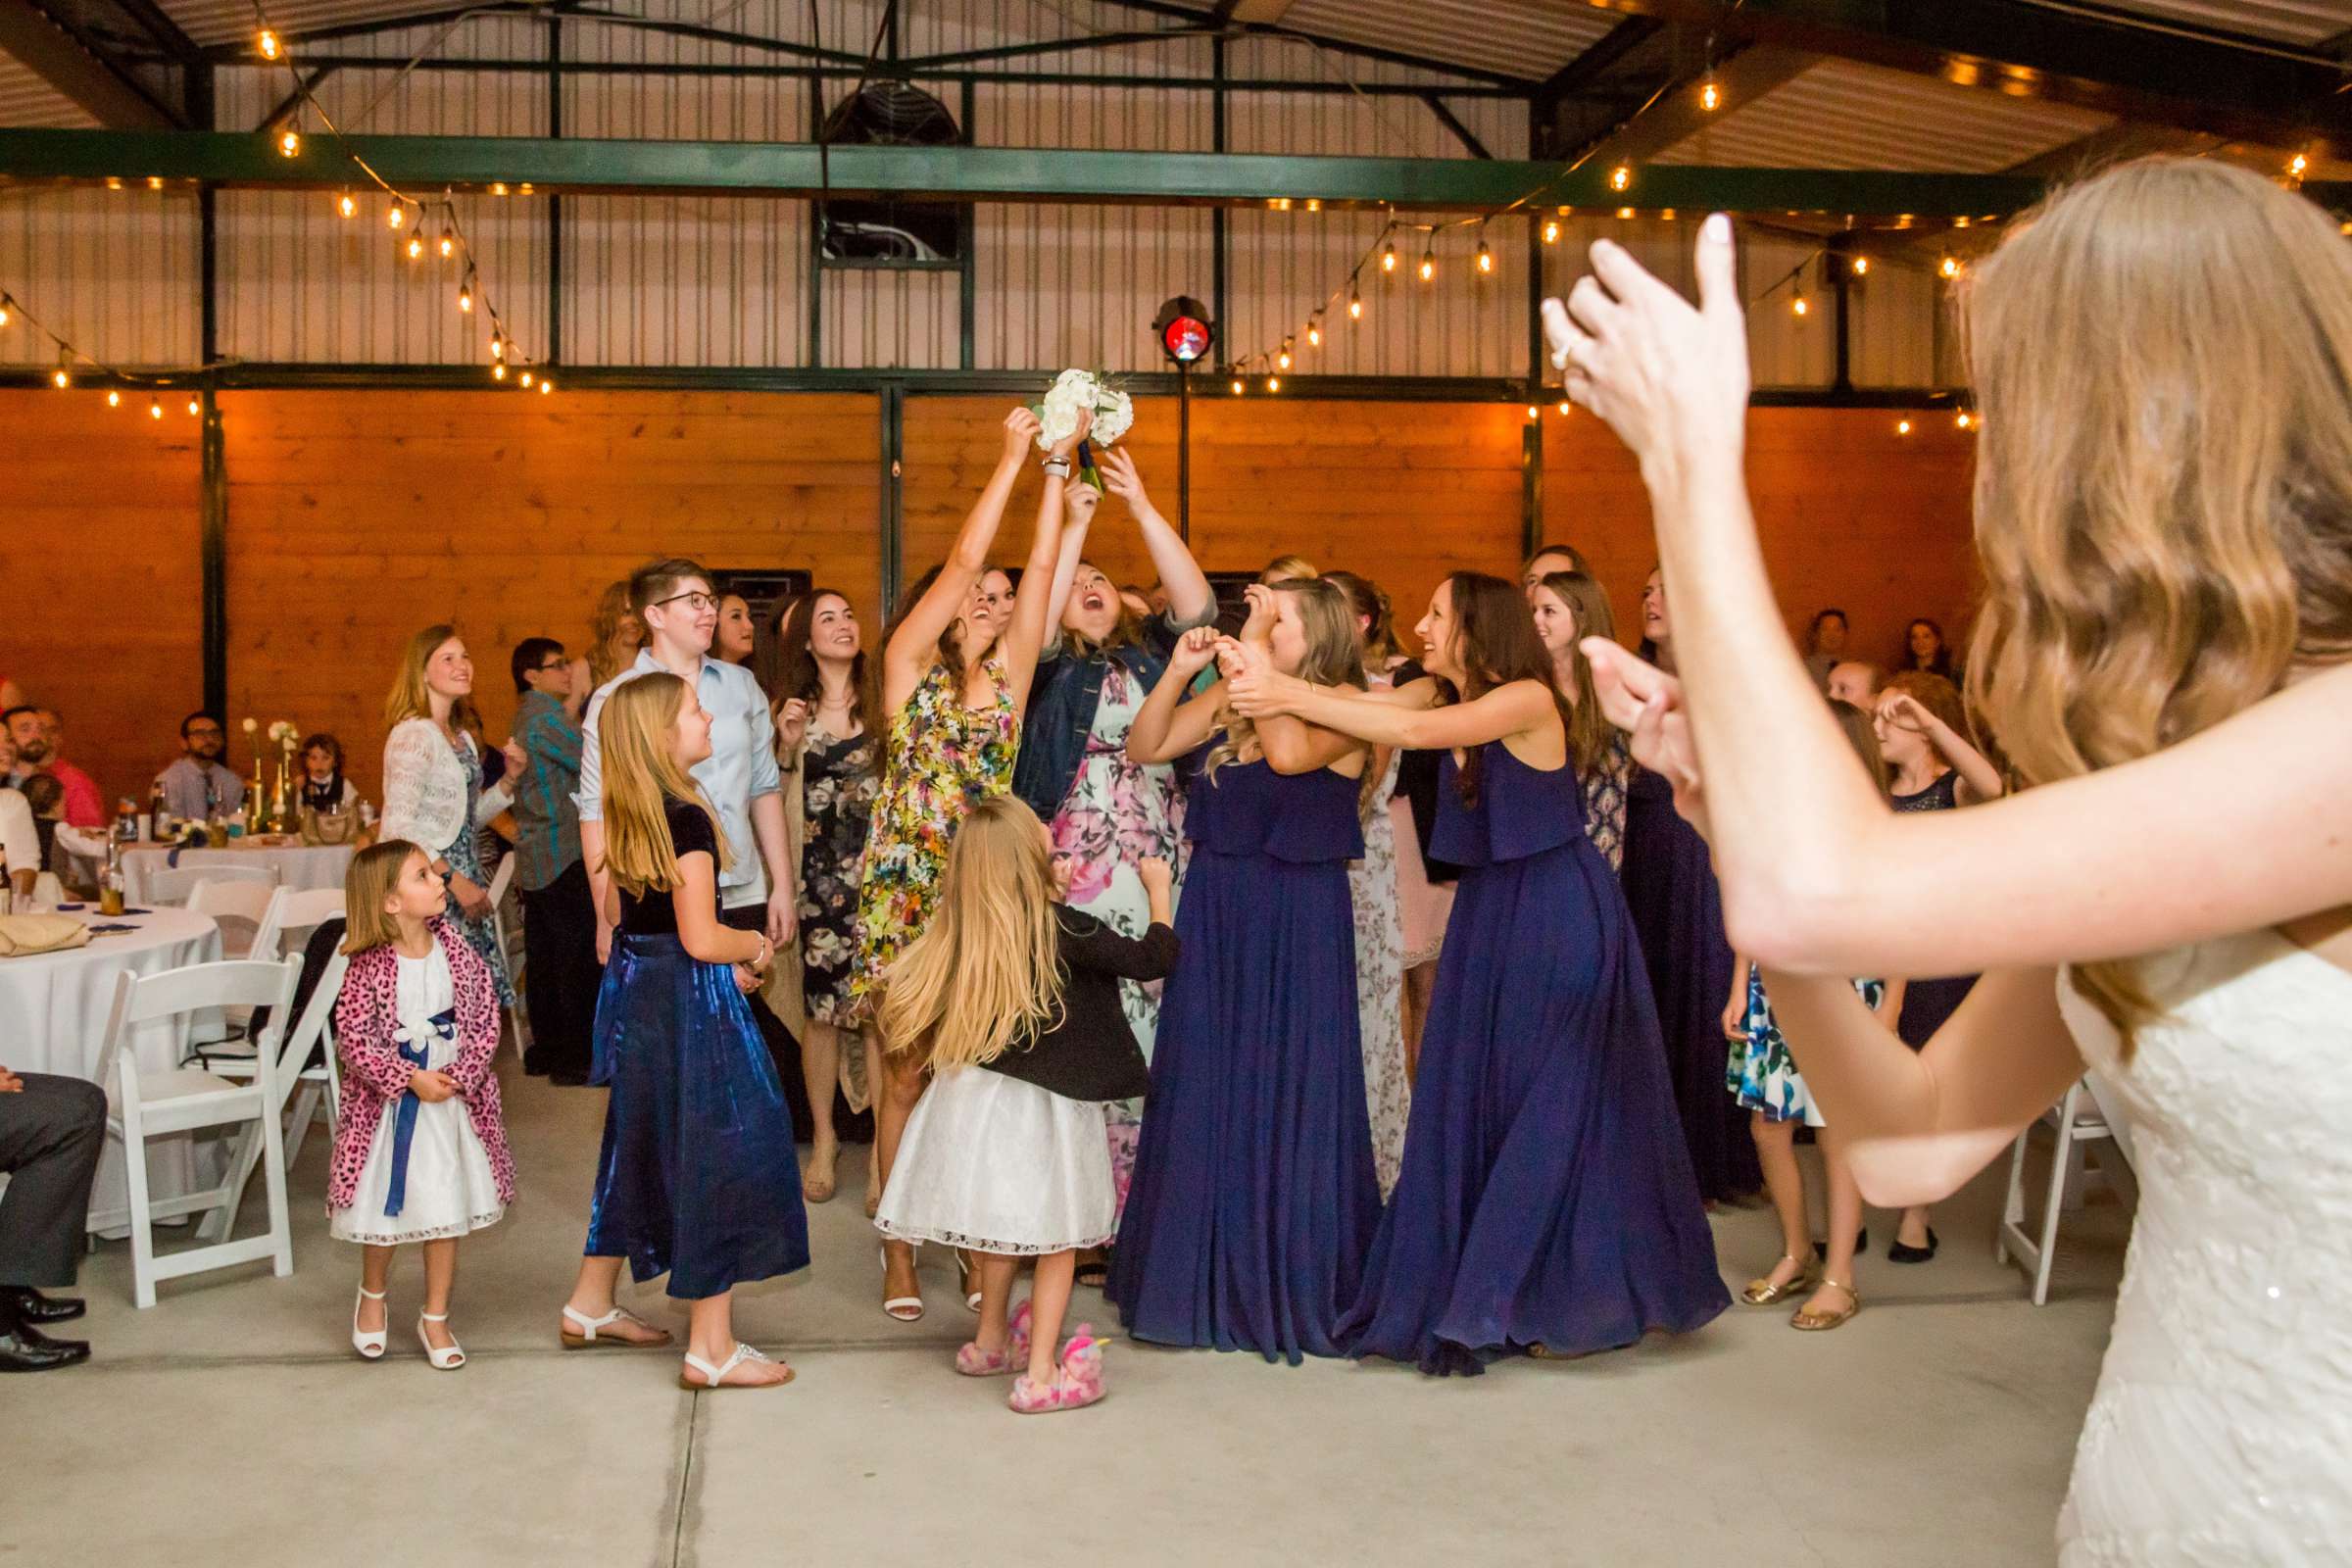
[
  {"x": 838, "y": 784},
  {"x": 466, "y": 858},
  {"x": 1116, "y": 813},
  {"x": 1380, "y": 982},
  {"x": 943, "y": 759},
  {"x": 1761, "y": 1074}
]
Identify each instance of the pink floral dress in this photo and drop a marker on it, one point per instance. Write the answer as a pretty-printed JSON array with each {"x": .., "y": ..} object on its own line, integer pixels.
[{"x": 1117, "y": 812}]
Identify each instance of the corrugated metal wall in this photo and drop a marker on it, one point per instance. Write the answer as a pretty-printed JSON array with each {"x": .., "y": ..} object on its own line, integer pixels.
[{"x": 711, "y": 282}]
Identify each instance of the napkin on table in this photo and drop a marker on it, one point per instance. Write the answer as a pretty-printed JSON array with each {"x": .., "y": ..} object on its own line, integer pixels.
[{"x": 23, "y": 935}]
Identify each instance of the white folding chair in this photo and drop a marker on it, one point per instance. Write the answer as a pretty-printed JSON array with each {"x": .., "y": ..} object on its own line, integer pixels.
[
  {"x": 2077, "y": 1122},
  {"x": 512, "y": 1022},
  {"x": 177, "y": 884},
  {"x": 285, "y": 930},
  {"x": 313, "y": 1027},
  {"x": 143, "y": 1106}
]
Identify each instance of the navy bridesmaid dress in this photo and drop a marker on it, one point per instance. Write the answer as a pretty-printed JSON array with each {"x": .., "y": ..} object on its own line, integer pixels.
[
  {"x": 1676, "y": 907},
  {"x": 1254, "y": 1197},
  {"x": 1546, "y": 1197}
]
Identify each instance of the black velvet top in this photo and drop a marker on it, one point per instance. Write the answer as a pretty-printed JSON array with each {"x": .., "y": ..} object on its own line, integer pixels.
[
  {"x": 1092, "y": 1055},
  {"x": 656, "y": 913}
]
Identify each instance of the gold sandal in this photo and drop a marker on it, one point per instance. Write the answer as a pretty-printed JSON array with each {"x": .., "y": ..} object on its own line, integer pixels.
[
  {"x": 1822, "y": 1322},
  {"x": 1761, "y": 1291}
]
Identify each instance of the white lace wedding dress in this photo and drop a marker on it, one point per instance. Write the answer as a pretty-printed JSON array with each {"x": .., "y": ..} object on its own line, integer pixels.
[{"x": 2222, "y": 1429}]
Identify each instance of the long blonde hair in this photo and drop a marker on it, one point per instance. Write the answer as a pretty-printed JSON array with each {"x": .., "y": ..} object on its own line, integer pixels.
[
  {"x": 2164, "y": 484},
  {"x": 987, "y": 971},
  {"x": 640, "y": 771},
  {"x": 368, "y": 885},
  {"x": 410, "y": 697},
  {"x": 1334, "y": 657}
]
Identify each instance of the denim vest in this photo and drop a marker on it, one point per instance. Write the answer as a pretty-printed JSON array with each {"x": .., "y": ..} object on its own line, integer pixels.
[{"x": 1061, "y": 708}]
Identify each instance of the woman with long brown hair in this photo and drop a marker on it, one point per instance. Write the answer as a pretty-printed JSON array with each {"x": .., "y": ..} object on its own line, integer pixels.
[
  {"x": 1569, "y": 606},
  {"x": 1545, "y": 1203},
  {"x": 2164, "y": 518},
  {"x": 828, "y": 740},
  {"x": 1253, "y": 1197}
]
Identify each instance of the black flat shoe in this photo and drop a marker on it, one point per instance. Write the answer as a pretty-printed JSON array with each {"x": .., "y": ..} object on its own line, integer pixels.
[
  {"x": 28, "y": 1305},
  {"x": 1821, "y": 1249},
  {"x": 25, "y": 1349},
  {"x": 1900, "y": 1253}
]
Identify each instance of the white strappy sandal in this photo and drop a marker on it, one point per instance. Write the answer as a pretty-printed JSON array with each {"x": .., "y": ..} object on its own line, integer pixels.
[
  {"x": 715, "y": 1377},
  {"x": 370, "y": 1346},
  {"x": 448, "y": 1360},
  {"x": 900, "y": 1308},
  {"x": 587, "y": 1336}
]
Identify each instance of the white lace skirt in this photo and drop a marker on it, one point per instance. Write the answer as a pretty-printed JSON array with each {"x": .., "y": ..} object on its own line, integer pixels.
[
  {"x": 998, "y": 1165},
  {"x": 450, "y": 1189}
]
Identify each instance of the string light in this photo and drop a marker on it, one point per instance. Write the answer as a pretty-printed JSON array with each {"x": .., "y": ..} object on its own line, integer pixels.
[
  {"x": 546, "y": 386},
  {"x": 1620, "y": 178},
  {"x": 154, "y": 408},
  {"x": 1964, "y": 419},
  {"x": 1237, "y": 388},
  {"x": 3, "y": 310},
  {"x": 498, "y": 372},
  {"x": 2299, "y": 164},
  {"x": 1273, "y": 383},
  {"x": 1314, "y": 204},
  {"x": 1950, "y": 266},
  {"x": 267, "y": 43},
  {"x": 1552, "y": 230},
  {"x": 1798, "y": 306},
  {"x": 1565, "y": 407},
  {"x": 1861, "y": 266},
  {"x": 398, "y": 215},
  {"x": 1314, "y": 331},
  {"x": 155, "y": 182},
  {"x": 1486, "y": 258},
  {"x": 449, "y": 242},
  {"x": 289, "y": 143},
  {"x": 464, "y": 297},
  {"x": 1356, "y": 304},
  {"x": 415, "y": 247},
  {"x": 1429, "y": 265},
  {"x": 1902, "y": 428},
  {"x": 1532, "y": 411},
  {"x": 1710, "y": 96},
  {"x": 347, "y": 206},
  {"x": 195, "y": 408},
  {"x": 1388, "y": 256},
  {"x": 113, "y": 399},
  {"x": 1283, "y": 360},
  {"x": 498, "y": 345},
  {"x": 63, "y": 376},
  {"x": 526, "y": 378}
]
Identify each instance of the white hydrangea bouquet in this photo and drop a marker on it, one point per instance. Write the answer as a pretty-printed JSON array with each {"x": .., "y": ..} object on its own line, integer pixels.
[{"x": 1076, "y": 391}]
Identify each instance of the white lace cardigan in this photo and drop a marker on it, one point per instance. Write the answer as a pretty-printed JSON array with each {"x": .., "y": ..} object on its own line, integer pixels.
[{"x": 424, "y": 788}]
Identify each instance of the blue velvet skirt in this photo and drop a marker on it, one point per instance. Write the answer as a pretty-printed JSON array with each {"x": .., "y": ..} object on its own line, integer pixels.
[{"x": 698, "y": 1178}]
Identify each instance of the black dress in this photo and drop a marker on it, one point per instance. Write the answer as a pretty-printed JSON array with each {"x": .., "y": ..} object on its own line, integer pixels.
[{"x": 1928, "y": 1003}]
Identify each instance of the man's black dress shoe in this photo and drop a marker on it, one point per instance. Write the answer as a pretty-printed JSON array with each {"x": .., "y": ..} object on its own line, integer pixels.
[
  {"x": 25, "y": 1349},
  {"x": 28, "y": 1305}
]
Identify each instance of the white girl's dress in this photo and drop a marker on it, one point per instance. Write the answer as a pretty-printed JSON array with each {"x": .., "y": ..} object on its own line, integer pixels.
[
  {"x": 446, "y": 1188},
  {"x": 993, "y": 1164}
]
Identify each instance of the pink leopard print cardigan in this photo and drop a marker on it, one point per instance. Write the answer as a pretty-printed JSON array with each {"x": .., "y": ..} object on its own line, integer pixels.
[{"x": 366, "y": 1019}]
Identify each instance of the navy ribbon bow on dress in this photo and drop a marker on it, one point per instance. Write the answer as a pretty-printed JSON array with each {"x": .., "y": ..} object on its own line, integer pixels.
[{"x": 416, "y": 1047}]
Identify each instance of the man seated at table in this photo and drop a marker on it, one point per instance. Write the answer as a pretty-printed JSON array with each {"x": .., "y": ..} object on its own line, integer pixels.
[
  {"x": 197, "y": 785},
  {"x": 41, "y": 746},
  {"x": 559, "y": 973},
  {"x": 52, "y": 1131}
]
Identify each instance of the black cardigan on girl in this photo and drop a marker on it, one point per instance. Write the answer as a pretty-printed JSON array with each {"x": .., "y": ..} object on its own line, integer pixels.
[{"x": 1091, "y": 1052}]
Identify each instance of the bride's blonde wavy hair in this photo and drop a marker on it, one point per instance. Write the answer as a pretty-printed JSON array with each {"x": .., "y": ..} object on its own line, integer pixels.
[
  {"x": 2163, "y": 358},
  {"x": 987, "y": 970}
]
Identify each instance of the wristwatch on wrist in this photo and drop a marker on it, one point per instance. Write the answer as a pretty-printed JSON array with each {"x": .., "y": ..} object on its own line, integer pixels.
[{"x": 1059, "y": 468}]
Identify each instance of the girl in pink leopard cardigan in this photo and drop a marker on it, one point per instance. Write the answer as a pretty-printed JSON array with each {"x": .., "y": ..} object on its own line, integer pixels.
[{"x": 420, "y": 1151}]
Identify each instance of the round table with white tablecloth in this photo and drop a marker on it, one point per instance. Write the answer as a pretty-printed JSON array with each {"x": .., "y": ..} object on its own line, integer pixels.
[
  {"x": 52, "y": 1012},
  {"x": 300, "y": 868}
]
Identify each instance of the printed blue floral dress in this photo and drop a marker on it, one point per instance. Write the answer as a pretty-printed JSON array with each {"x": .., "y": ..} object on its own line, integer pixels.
[{"x": 1761, "y": 1074}]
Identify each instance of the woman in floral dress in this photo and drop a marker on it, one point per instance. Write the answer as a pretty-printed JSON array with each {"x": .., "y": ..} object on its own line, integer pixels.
[
  {"x": 828, "y": 724},
  {"x": 1372, "y": 882},
  {"x": 955, "y": 673},
  {"x": 1105, "y": 812}
]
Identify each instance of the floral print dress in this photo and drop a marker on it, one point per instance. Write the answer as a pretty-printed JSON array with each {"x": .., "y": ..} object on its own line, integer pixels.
[
  {"x": 1118, "y": 812},
  {"x": 944, "y": 758},
  {"x": 466, "y": 858},
  {"x": 1761, "y": 1074},
  {"x": 1380, "y": 982},
  {"x": 838, "y": 784},
  {"x": 1604, "y": 796}
]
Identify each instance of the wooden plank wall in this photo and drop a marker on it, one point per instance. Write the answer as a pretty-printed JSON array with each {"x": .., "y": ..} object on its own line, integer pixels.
[
  {"x": 356, "y": 518},
  {"x": 98, "y": 548}
]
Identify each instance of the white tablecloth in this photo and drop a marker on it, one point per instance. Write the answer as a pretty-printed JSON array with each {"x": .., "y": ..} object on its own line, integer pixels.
[
  {"x": 300, "y": 868},
  {"x": 52, "y": 1012}
]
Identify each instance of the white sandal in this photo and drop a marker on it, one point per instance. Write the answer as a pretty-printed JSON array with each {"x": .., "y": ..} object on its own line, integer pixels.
[
  {"x": 448, "y": 1360},
  {"x": 588, "y": 1337},
  {"x": 370, "y": 1346},
  {"x": 900, "y": 1308},
  {"x": 715, "y": 1377}
]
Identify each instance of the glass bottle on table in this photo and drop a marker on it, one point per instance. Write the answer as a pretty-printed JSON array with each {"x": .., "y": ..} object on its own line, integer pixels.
[{"x": 110, "y": 880}]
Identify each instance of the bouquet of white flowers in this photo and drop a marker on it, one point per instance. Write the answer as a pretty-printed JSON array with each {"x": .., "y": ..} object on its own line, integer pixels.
[{"x": 1072, "y": 392}]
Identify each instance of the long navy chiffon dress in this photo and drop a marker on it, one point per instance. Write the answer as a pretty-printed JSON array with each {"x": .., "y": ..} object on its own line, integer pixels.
[
  {"x": 1254, "y": 1197},
  {"x": 698, "y": 1178},
  {"x": 1546, "y": 1197},
  {"x": 1677, "y": 908}
]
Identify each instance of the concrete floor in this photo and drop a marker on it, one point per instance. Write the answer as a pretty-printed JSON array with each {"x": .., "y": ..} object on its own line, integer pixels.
[{"x": 231, "y": 1424}]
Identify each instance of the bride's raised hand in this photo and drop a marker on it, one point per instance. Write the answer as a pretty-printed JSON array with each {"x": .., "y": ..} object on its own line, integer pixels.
[{"x": 1669, "y": 379}]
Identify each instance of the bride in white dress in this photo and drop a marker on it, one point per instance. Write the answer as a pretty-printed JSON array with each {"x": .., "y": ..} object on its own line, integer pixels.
[{"x": 2164, "y": 515}]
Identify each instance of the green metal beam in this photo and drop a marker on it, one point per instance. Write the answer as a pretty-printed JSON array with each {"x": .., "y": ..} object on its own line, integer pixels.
[{"x": 994, "y": 174}]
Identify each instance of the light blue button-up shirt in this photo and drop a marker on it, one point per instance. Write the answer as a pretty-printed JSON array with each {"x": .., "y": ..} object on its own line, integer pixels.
[{"x": 740, "y": 767}]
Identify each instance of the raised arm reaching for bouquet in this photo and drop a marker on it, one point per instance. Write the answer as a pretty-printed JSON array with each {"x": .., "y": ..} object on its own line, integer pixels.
[{"x": 2163, "y": 517}]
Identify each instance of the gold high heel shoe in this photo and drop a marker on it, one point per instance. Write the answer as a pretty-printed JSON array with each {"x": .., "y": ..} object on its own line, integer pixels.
[
  {"x": 1761, "y": 1291},
  {"x": 1806, "y": 1322}
]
